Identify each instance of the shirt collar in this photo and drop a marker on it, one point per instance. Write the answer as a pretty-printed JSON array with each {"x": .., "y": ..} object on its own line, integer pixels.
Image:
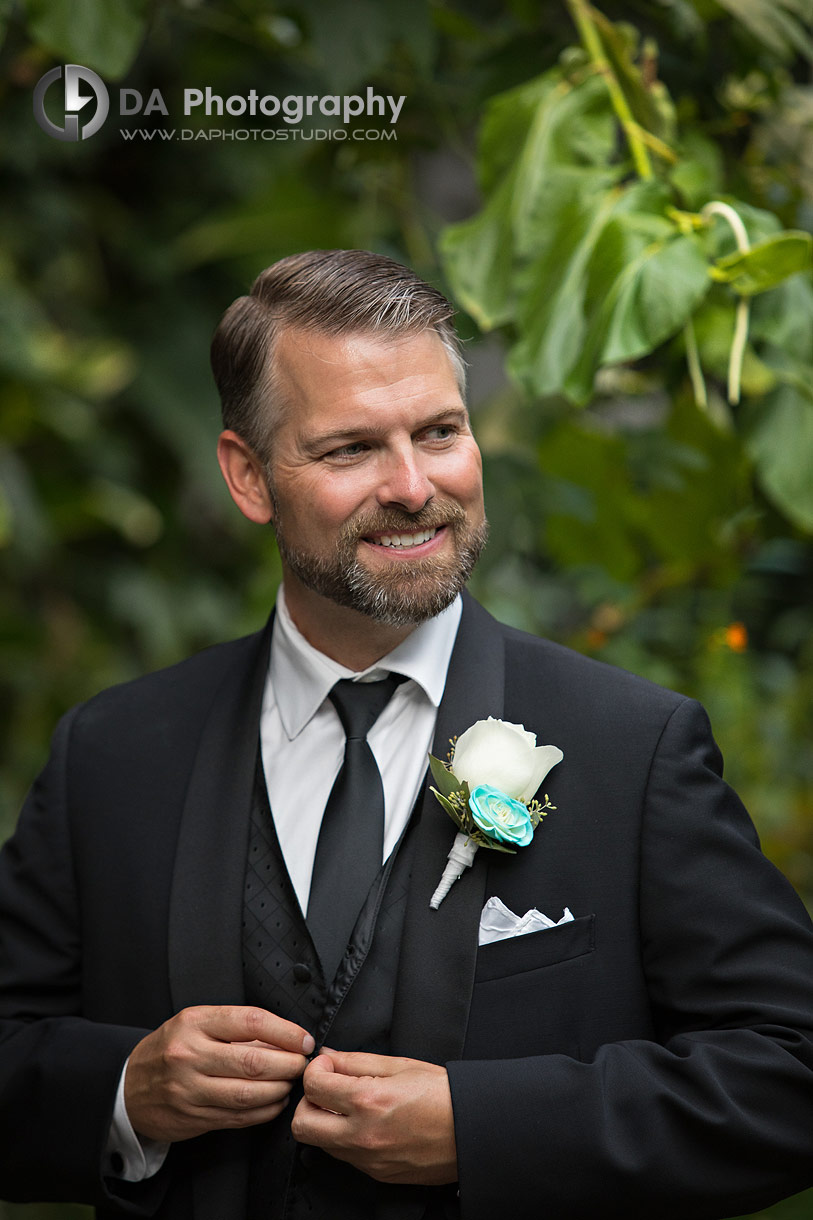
[{"x": 301, "y": 676}]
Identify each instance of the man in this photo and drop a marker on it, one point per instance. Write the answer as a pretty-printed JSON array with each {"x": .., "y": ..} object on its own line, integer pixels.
[{"x": 171, "y": 955}]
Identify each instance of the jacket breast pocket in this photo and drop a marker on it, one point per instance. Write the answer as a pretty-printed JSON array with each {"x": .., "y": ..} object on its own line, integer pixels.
[
  {"x": 529, "y": 992},
  {"x": 546, "y": 947}
]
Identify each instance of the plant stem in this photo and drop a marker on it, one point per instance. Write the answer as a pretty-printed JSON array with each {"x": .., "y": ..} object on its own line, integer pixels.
[
  {"x": 701, "y": 397},
  {"x": 738, "y": 343},
  {"x": 581, "y": 12},
  {"x": 718, "y": 208}
]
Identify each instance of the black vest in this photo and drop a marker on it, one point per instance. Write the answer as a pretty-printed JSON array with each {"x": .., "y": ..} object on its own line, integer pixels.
[{"x": 351, "y": 1012}]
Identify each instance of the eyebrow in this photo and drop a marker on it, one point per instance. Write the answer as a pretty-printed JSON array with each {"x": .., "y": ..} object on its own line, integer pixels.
[{"x": 347, "y": 435}]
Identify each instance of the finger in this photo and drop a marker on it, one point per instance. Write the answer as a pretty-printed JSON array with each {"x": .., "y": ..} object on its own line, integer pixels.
[
  {"x": 213, "y": 1118},
  {"x": 239, "y": 1023},
  {"x": 320, "y": 1128},
  {"x": 322, "y": 1063},
  {"x": 239, "y": 1095},
  {"x": 333, "y": 1091},
  {"x": 361, "y": 1063},
  {"x": 250, "y": 1061}
]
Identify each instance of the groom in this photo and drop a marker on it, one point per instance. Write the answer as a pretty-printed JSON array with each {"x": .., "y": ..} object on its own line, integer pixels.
[{"x": 219, "y": 872}]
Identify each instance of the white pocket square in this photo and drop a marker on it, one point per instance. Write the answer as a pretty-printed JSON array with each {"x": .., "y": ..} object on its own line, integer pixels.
[{"x": 498, "y": 923}]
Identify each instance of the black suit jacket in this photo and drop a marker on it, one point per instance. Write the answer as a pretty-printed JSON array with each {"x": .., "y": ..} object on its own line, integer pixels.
[{"x": 653, "y": 1057}]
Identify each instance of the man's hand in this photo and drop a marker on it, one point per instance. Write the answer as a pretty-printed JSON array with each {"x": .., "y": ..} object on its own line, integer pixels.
[
  {"x": 391, "y": 1118},
  {"x": 213, "y": 1067}
]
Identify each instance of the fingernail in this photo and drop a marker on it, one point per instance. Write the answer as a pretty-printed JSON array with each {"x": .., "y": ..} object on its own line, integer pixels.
[{"x": 308, "y": 1044}]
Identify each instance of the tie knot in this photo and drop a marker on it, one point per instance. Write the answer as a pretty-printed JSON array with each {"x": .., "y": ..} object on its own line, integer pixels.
[{"x": 359, "y": 704}]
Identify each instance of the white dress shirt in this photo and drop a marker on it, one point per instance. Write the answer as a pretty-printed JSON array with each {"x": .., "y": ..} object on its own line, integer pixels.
[{"x": 301, "y": 736}]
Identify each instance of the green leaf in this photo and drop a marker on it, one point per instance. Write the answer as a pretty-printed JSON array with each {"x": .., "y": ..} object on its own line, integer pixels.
[
  {"x": 100, "y": 34},
  {"x": 644, "y": 291},
  {"x": 594, "y": 263},
  {"x": 780, "y": 441},
  {"x": 651, "y": 106},
  {"x": 551, "y": 317},
  {"x": 766, "y": 264},
  {"x": 781, "y": 25},
  {"x": 354, "y": 39},
  {"x": 477, "y": 256},
  {"x": 529, "y": 135},
  {"x": 450, "y": 809},
  {"x": 588, "y": 489},
  {"x": 444, "y": 779},
  {"x": 493, "y": 845},
  {"x": 784, "y": 318},
  {"x": 699, "y": 174}
]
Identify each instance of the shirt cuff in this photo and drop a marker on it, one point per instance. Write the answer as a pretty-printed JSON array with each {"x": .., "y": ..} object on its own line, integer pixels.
[{"x": 128, "y": 1156}]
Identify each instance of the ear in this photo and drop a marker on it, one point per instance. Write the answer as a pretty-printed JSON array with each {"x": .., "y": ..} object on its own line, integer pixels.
[{"x": 245, "y": 477}]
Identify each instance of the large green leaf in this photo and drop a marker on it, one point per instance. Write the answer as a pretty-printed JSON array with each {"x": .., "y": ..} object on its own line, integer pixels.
[
  {"x": 528, "y": 136},
  {"x": 552, "y": 314},
  {"x": 766, "y": 264},
  {"x": 100, "y": 34},
  {"x": 784, "y": 318},
  {"x": 477, "y": 255},
  {"x": 780, "y": 441},
  {"x": 645, "y": 281}
]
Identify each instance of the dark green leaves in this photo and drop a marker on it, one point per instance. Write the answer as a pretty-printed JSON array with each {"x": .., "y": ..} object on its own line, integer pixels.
[{"x": 100, "y": 34}]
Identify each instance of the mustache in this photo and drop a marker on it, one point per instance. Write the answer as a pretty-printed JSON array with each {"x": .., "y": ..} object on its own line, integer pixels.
[{"x": 393, "y": 521}]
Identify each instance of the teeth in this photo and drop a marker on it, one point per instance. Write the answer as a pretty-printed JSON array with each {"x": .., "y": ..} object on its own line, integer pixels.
[{"x": 407, "y": 540}]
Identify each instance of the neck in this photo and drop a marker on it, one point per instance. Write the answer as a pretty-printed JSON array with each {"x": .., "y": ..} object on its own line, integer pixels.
[{"x": 345, "y": 635}]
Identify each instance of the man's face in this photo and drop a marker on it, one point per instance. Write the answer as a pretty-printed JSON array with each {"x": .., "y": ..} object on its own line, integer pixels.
[{"x": 375, "y": 477}]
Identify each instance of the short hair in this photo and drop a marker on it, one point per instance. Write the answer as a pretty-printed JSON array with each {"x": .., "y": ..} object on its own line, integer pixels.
[{"x": 332, "y": 292}]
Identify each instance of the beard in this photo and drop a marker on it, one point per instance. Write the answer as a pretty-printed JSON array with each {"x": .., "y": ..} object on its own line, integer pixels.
[{"x": 405, "y": 592}]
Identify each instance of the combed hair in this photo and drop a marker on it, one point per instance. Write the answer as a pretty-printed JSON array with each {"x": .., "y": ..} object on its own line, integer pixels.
[{"x": 332, "y": 292}]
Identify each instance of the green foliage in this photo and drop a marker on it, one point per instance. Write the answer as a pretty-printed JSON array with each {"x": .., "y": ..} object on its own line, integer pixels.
[
  {"x": 765, "y": 265},
  {"x": 100, "y": 34}
]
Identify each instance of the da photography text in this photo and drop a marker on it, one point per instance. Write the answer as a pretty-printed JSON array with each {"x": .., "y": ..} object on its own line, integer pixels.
[{"x": 73, "y": 103}]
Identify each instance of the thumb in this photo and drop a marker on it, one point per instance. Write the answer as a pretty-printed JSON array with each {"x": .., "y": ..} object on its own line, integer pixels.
[{"x": 322, "y": 1063}]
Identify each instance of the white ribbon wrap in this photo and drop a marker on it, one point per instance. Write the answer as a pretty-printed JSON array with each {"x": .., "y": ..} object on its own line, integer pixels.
[{"x": 460, "y": 857}]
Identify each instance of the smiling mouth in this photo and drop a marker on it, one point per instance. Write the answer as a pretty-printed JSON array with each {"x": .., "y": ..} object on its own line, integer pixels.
[{"x": 404, "y": 541}]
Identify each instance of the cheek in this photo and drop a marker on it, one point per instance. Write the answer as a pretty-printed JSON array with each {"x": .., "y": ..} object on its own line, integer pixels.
[
  {"x": 465, "y": 479},
  {"x": 329, "y": 502}
]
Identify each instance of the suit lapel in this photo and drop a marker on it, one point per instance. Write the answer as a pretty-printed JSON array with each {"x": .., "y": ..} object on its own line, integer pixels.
[
  {"x": 438, "y": 951},
  {"x": 207, "y": 892}
]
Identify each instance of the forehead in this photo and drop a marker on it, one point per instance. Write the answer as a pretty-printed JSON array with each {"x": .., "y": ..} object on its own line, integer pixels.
[{"x": 321, "y": 375}]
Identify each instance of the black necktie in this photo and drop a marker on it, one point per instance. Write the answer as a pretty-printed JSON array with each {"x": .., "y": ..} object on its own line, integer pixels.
[{"x": 351, "y": 839}]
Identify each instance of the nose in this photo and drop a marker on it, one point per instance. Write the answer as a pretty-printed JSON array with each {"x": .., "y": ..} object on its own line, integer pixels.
[{"x": 405, "y": 483}]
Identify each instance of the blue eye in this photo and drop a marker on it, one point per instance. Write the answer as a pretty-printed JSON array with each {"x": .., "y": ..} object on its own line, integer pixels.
[{"x": 351, "y": 450}]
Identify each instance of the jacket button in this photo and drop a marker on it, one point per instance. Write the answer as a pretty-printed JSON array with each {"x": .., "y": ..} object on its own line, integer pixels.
[{"x": 302, "y": 973}]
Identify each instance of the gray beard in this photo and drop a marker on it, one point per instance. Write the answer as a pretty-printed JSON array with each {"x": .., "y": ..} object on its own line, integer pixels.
[{"x": 408, "y": 593}]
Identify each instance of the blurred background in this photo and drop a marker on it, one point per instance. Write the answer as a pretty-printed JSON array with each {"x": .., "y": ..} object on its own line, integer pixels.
[{"x": 649, "y": 460}]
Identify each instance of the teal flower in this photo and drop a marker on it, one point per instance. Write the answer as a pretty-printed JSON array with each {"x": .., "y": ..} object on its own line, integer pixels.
[{"x": 500, "y": 816}]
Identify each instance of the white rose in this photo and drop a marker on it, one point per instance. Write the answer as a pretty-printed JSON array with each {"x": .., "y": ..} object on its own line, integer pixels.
[{"x": 503, "y": 755}]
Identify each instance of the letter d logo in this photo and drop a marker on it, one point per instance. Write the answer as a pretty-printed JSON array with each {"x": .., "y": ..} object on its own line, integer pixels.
[{"x": 75, "y": 75}]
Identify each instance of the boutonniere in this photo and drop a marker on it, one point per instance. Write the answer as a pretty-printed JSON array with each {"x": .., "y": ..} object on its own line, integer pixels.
[{"x": 487, "y": 787}]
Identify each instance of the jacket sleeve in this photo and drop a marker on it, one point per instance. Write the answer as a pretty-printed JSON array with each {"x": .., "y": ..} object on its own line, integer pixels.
[
  {"x": 58, "y": 1070},
  {"x": 714, "y": 1116}
]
